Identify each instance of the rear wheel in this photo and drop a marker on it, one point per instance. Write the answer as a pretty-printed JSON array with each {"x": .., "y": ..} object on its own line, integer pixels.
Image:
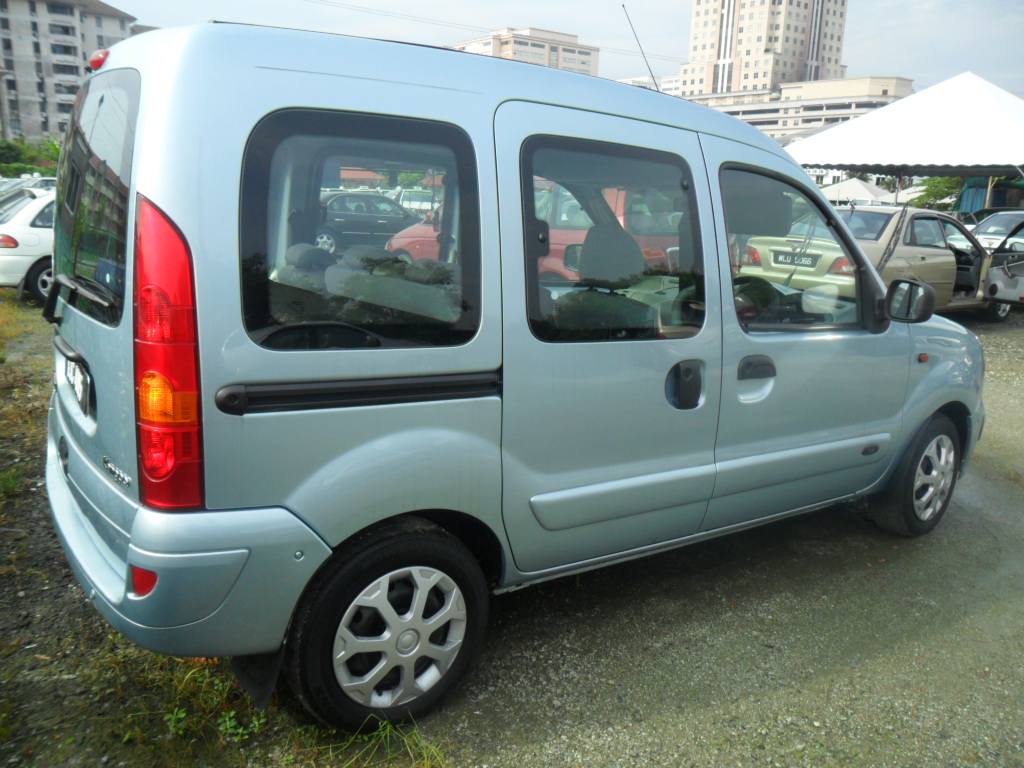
[
  {"x": 325, "y": 239},
  {"x": 39, "y": 279},
  {"x": 388, "y": 628},
  {"x": 919, "y": 493},
  {"x": 997, "y": 311}
]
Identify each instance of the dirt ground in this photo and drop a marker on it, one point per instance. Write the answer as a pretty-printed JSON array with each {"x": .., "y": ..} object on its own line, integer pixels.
[{"x": 816, "y": 641}]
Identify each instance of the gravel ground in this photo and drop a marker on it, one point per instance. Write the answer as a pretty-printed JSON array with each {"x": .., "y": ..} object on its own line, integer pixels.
[{"x": 816, "y": 641}]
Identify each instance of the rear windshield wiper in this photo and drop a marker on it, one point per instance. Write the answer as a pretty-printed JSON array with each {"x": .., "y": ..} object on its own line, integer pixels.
[{"x": 83, "y": 286}]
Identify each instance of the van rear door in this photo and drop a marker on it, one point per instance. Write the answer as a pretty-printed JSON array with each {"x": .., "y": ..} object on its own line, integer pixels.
[
  {"x": 94, "y": 414},
  {"x": 1004, "y": 280}
]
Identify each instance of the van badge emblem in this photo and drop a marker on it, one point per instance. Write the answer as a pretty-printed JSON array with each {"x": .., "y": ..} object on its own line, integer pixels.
[{"x": 122, "y": 477}]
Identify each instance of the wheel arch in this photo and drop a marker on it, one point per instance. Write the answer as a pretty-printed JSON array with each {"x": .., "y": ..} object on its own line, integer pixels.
[{"x": 960, "y": 415}]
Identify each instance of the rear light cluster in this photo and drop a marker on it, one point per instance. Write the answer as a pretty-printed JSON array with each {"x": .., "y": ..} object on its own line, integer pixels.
[
  {"x": 166, "y": 365},
  {"x": 6, "y": 241},
  {"x": 750, "y": 257},
  {"x": 841, "y": 266}
]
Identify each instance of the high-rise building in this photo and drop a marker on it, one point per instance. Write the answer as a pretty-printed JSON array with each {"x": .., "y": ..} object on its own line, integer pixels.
[
  {"x": 537, "y": 46},
  {"x": 45, "y": 49},
  {"x": 751, "y": 45}
]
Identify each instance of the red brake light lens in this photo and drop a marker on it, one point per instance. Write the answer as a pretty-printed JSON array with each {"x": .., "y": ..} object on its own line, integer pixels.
[
  {"x": 6, "y": 241},
  {"x": 169, "y": 430},
  {"x": 750, "y": 257}
]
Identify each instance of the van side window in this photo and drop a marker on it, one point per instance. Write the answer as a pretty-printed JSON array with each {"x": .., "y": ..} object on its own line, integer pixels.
[
  {"x": 789, "y": 269},
  {"x": 329, "y": 260},
  {"x": 611, "y": 241}
]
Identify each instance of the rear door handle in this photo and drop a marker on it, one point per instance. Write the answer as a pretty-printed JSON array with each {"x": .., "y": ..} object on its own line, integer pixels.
[
  {"x": 684, "y": 385},
  {"x": 756, "y": 367}
]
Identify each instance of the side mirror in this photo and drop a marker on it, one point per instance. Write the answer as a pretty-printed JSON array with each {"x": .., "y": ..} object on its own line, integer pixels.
[{"x": 909, "y": 301}]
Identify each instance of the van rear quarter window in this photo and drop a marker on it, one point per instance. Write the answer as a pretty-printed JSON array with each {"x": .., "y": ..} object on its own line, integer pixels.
[
  {"x": 91, "y": 229},
  {"x": 322, "y": 265}
]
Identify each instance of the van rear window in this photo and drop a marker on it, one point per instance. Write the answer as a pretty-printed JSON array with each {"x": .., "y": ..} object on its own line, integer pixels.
[
  {"x": 332, "y": 259},
  {"x": 91, "y": 226}
]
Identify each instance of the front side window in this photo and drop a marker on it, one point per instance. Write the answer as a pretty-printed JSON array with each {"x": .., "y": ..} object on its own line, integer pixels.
[
  {"x": 326, "y": 261},
  {"x": 789, "y": 268},
  {"x": 611, "y": 241},
  {"x": 925, "y": 232}
]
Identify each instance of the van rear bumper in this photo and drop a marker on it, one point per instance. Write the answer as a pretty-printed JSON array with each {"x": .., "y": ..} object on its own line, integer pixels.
[{"x": 227, "y": 581}]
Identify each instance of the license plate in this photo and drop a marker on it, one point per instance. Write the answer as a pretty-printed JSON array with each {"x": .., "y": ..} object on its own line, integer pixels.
[
  {"x": 79, "y": 380},
  {"x": 808, "y": 260}
]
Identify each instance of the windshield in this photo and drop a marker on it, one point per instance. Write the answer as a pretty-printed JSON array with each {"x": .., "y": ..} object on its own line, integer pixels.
[
  {"x": 999, "y": 224},
  {"x": 865, "y": 225}
]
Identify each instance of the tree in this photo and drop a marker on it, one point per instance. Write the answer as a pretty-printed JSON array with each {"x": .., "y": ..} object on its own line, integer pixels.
[
  {"x": 940, "y": 193},
  {"x": 11, "y": 152}
]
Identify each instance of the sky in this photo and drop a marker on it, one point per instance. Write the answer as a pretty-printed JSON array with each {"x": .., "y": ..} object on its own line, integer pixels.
[{"x": 927, "y": 41}]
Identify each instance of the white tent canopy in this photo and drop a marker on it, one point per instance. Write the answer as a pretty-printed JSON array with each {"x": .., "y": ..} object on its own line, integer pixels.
[
  {"x": 852, "y": 189},
  {"x": 964, "y": 126}
]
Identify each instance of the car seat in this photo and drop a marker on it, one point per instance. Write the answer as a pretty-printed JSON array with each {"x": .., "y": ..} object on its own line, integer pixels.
[{"x": 610, "y": 260}]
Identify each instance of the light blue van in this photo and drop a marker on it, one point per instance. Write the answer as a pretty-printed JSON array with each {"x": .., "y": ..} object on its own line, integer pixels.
[{"x": 321, "y": 464}]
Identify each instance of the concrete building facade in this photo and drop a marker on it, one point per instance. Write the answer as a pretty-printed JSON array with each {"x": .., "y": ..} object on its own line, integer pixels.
[
  {"x": 796, "y": 109},
  {"x": 750, "y": 45},
  {"x": 45, "y": 49},
  {"x": 536, "y": 46}
]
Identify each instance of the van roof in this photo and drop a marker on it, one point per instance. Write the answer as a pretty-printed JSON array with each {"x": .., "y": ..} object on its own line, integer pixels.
[{"x": 219, "y": 45}]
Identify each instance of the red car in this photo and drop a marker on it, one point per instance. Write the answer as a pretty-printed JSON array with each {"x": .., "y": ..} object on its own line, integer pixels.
[{"x": 645, "y": 214}]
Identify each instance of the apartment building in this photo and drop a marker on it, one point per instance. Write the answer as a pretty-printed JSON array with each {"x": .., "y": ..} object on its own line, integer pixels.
[
  {"x": 751, "y": 45},
  {"x": 45, "y": 50},
  {"x": 536, "y": 46}
]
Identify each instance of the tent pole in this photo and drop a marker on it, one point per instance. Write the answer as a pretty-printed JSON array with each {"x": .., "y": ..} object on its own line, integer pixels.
[{"x": 988, "y": 194}]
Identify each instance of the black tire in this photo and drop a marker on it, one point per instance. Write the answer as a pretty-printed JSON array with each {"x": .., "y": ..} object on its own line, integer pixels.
[
  {"x": 326, "y": 240},
  {"x": 39, "y": 279},
  {"x": 404, "y": 556},
  {"x": 997, "y": 311},
  {"x": 920, "y": 491}
]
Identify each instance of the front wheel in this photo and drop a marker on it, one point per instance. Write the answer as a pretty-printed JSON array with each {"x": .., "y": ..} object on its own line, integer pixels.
[
  {"x": 388, "y": 628},
  {"x": 919, "y": 493}
]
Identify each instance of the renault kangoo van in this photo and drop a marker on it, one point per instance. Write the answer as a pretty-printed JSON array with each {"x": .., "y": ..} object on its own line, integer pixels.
[{"x": 321, "y": 461}]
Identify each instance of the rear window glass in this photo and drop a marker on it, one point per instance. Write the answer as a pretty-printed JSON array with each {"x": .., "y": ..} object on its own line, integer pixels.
[
  {"x": 865, "y": 225},
  {"x": 328, "y": 263},
  {"x": 9, "y": 209},
  {"x": 91, "y": 227}
]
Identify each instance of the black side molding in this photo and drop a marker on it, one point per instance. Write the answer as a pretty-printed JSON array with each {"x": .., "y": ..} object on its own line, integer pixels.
[{"x": 241, "y": 399}]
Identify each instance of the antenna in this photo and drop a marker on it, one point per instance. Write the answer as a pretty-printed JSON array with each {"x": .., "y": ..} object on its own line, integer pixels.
[{"x": 653, "y": 78}]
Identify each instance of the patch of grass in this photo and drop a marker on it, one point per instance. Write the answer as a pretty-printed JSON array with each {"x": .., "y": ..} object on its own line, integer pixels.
[{"x": 10, "y": 482}]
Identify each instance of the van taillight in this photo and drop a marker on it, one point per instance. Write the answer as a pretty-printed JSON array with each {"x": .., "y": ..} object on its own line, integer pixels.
[{"x": 166, "y": 365}]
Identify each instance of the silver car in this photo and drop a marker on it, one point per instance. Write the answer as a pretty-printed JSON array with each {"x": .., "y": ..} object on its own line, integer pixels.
[{"x": 322, "y": 464}]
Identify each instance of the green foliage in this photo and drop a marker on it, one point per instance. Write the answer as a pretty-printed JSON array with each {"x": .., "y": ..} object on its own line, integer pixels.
[
  {"x": 940, "y": 193},
  {"x": 15, "y": 170},
  {"x": 11, "y": 152}
]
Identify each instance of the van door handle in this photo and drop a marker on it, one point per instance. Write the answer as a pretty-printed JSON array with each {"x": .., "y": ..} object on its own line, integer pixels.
[
  {"x": 684, "y": 385},
  {"x": 756, "y": 367}
]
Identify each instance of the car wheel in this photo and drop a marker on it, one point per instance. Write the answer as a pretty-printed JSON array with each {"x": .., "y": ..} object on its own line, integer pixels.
[
  {"x": 919, "y": 492},
  {"x": 388, "y": 627},
  {"x": 997, "y": 311},
  {"x": 325, "y": 239},
  {"x": 39, "y": 279}
]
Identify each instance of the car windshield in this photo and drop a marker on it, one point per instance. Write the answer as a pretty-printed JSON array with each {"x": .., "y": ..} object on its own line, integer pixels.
[
  {"x": 865, "y": 225},
  {"x": 999, "y": 224}
]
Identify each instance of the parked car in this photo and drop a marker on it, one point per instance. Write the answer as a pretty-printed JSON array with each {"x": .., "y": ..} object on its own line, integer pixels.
[
  {"x": 992, "y": 230},
  {"x": 902, "y": 242},
  {"x": 972, "y": 218},
  {"x": 322, "y": 464},
  {"x": 26, "y": 241},
  {"x": 360, "y": 218},
  {"x": 417, "y": 200}
]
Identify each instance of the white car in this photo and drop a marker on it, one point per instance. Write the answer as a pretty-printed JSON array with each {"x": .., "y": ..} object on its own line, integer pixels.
[
  {"x": 26, "y": 241},
  {"x": 993, "y": 230}
]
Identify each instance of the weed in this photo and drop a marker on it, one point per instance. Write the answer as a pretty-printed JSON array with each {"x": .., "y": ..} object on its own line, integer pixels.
[{"x": 10, "y": 481}]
